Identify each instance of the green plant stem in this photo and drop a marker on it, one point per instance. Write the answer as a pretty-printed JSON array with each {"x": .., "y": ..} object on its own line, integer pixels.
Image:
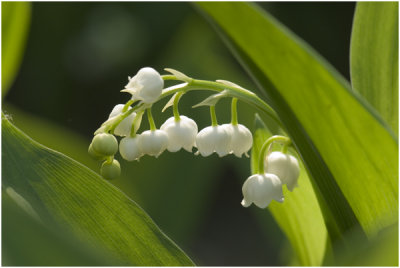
[
  {"x": 110, "y": 128},
  {"x": 235, "y": 92},
  {"x": 126, "y": 106},
  {"x": 286, "y": 146},
  {"x": 135, "y": 121},
  {"x": 175, "y": 107},
  {"x": 263, "y": 151},
  {"x": 151, "y": 120},
  {"x": 214, "y": 121},
  {"x": 110, "y": 159},
  {"x": 234, "y": 120},
  {"x": 238, "y": 92}
]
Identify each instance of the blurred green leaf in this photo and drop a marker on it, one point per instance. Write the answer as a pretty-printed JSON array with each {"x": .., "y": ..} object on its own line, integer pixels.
[
  {"x": 382, "y": 250},
  {"x": 61, "y": 191},
  {"x": 351, "y": 155},
  {"x": 15, "y": 17},
  {"x": 299, "y": 215},
  {"x": 374, "y": 58},
  {"x": 26, "y": 241}
]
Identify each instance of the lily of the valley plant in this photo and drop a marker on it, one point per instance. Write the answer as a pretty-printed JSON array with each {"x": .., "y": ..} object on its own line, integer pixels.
[{"x": 147, "y": 87}]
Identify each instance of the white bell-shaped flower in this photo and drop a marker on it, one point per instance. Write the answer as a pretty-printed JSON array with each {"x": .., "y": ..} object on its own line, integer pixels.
[
  {"x": 213, "y": 139},
  {"x": 241, "y": 139},
  {"x": 261, "y": 189},
  {"x": 153, "y": 142},
  {"x": 285, "y": 166},
  {"x": 181, "y": 134},
  {"x": 129, "y": 148},
  {"x": 146, "y": 85},
  {"x": 124, "y": 128}
]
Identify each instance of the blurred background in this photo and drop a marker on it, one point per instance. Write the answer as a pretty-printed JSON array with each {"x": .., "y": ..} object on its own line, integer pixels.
[{"x": 77, "y": 59}]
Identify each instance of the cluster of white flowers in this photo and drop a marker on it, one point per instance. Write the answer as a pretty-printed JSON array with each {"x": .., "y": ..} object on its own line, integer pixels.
[
  {"x": 224, "y": 139},
  {"x": 261, "y": 189},
  {"x": 176, "y": 133},
  {"x": 179, "y": 132}
]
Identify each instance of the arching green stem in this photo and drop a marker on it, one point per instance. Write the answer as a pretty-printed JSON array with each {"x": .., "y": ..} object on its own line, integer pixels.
[
  {"x": 110, "y": 126},
  {"x": 233, "y": 91},
  {"x": 263, "y": 152},
  {"x": 126, "y": 106},
  {"x": 175, "y": 108},
  {"x": 214, "y": 121},
  {"x": 151, "y": 120},
  {"x": 234, "y": 119},
  {"x": 286, "y": 146},
  {"x": 194, "y": 84}
]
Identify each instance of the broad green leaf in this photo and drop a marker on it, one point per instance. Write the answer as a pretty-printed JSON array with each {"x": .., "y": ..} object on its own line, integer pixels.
[
  {"x": 374, "y": 58},
  {"x": 299, "y": 215},
  {"x": 15, "y": 22},
  {"x": 61, "y": 191},
  {"x": 28, "y": 242},
  {"x": 140, "y": 180},
  {"x": 349, "y": 152}
]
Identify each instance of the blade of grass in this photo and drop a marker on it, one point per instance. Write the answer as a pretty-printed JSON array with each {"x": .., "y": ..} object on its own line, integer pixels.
[
  {"x": 14, "y": 25},
  {"x": 374, "y": 57}
]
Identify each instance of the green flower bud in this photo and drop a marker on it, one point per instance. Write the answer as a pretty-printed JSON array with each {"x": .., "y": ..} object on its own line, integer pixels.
[
  {"x": 110, "y": 171},
  {"x": 105, "y": 144},
  {"x": 95, "y": 155}
]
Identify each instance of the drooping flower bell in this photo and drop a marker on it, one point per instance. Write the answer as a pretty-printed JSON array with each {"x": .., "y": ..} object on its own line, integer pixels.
[
  {"x": 285, "y": 166},
  {"x": 181, "y": 134},
  {"x": 129, "y": 148},
  {"x": 241, "y": 139},
  {"x": 261, "y": 189},
  {"x": 146, "y": 85},
  {"x": 213, "y": 139},
  {"x": 124, "y": 128},
  {"x": 153, "y": 142}
]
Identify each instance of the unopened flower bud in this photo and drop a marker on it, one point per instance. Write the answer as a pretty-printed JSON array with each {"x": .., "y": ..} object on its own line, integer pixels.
[
  {"x": 285, "y": 166},
  {"x": 153, "y": 142},
  {"x": 261, "y": 189},
  {"x": 146, "y": 85},
  {"x": 241, "y": 139},
  {"x": 213, "y": 139},
  {"x": 110, "y": 171},
  {"x": 105, "y": 144},
  {"x": 181, "y": 134},
  {"x": 95, "y": 155},
  {"x": 129, "y": 148}
]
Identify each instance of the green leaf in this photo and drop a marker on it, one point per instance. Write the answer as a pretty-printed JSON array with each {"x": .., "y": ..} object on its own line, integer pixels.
[
  {"x": 62, "y": 192},
  {"x": 15, "y": 22},
  {"x": 349, "y": 152},
  {"x": 381, "y": 250},
  {"x": 374, "y": 57},
  {"x": 48, "y": 246},
  {"x": 299, "y": 216},
  {"x": 149, "y": 188}
]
